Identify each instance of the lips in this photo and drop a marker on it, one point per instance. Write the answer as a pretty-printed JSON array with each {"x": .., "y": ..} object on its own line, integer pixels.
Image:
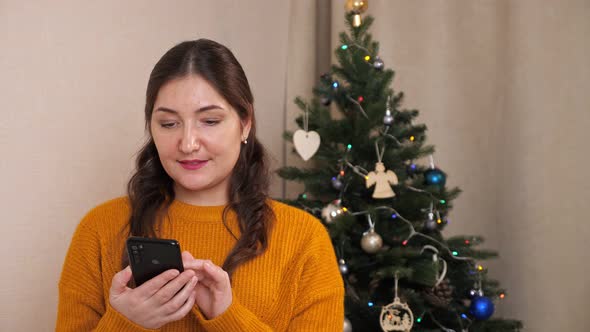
[{"x": 193, "y": 164}]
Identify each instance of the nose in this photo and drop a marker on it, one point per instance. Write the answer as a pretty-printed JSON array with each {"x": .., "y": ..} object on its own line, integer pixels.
[{"x": 190, "y": 140}]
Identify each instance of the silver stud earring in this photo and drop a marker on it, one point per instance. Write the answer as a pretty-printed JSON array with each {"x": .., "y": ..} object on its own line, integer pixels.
[{"x": 245, "y": 141}]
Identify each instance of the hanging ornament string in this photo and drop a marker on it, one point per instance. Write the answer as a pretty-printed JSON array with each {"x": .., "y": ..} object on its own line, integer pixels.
[
  {"x": 380, "y": 153},
  {"x": 435, "y": 260}
]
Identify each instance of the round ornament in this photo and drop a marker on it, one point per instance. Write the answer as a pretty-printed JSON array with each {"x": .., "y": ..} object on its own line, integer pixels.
[
  {"x": 331, "y": 211},
  {"x": 388, "y": 118},
  {"x": 371, "y": 241},
  {"x": 396, "y": 316},
  {"x": 336, "y": 183},
  {"x": 343, "y": 267},
  {"x": 356, "y": 6},
  {"x": 435, "y": 177},
  {"x": 481, "y": 307},
  {"x": 378, "y": 63},
  {"x": 430, "y": 225},
  {"x": 347, "y": 325}
]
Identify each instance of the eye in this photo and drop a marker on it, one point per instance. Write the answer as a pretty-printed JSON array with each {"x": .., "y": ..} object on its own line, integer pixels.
[
  {"x": 211, "y": 122},
  {"x": 168, "y": 124}
]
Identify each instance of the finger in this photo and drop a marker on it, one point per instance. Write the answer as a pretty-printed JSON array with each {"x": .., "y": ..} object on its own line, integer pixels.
[
  {"x": 170, "y": 289},
  {"x": 181, "y": 297},
  {"x": 120, "y": 281},
  {"x": 186, "y": 259},
  {"x": 186, "y": 307},
  {"x": 150, "y": 287},
  {"x": 216, "y": 273}
]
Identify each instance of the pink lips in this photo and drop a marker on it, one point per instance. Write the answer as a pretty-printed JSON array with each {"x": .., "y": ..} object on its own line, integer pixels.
[{"x": 193, "y": 164}]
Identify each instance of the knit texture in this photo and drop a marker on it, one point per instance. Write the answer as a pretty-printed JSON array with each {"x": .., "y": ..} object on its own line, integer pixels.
[{"x": 294, "y": 286}]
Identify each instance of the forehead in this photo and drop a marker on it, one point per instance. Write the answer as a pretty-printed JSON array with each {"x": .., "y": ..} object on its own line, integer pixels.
[{"x": 188, "y": 93}]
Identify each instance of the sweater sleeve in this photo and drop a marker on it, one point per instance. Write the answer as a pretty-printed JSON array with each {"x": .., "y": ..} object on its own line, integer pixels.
[
  {"x": 82, "y": 306},
  {"x": 320, "y": 299}
]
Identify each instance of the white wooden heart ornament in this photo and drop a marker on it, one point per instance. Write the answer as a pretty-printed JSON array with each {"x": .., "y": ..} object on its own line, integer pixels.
[{"x": 306, "y": 143}]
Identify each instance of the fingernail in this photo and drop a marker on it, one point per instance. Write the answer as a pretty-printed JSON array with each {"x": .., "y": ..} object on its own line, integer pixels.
[{"x": 207, "y": 264}]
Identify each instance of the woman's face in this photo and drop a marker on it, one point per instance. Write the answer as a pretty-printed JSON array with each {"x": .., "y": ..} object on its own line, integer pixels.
[{"x": 198, "y": 136}]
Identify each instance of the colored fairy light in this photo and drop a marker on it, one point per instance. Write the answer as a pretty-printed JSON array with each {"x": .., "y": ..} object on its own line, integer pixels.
[
  {"x": 480, "y": 268},
  {"x": 413, "y": 166},
  {"x": 344, "y": 209},
  {"x": 344, "y": 47},
  {"x": 367, "y": 58},
  {"x": 466, "y": 241},
  {"x": 455, "y": 253},
  {"x": 412, "y": 138},
  {"x": 502, "y": 296},
  {"x": 333, "y": 178},
  {"x": 464, "y": 316},
  {"x": 360, "y": 99},
  {"x": 438, "y": 221},
  {"x": 341, "y": 173},
  {"x": 366, "y": 177},
  {"x": 304, "y": 196},
  {"x": 419, "y": 319},
  {"x": 349, "y": 146},
  {"x": 370, "y": 304},
  {"x": 442, "y": 201},
  {"x": 335, "y": 85},
  {"x": 394, "y": 216},
  {"x": 405, "y": 242}
]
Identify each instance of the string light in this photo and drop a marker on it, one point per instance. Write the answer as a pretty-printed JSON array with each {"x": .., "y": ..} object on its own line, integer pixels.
[
  {"x": 480, "y": 268},
  {"x": 438, "y": 221},
  {"x": 394, "y": 216},
  {"x": 335, "y": 85},
  {"x": 360, "y": 99},
  {"x": 442, "y": 201},
  {"x": 502, "y": 295},
  {"x": 367, "y": 58},
  {"x": 405, "y": 242},
  {"x": 419, "y": 319},
  {"x": 344, "y": 47},
  {"x": 349, "y": 146},
  {"x": 341, "y": 173},
  {"x": 370, "y": 304},
  {"x": 464, "y": 316},
  {"x": 466, "y": 241},
  {"x": 455, "y": 253},
  {"x": 412, "y": 138}
]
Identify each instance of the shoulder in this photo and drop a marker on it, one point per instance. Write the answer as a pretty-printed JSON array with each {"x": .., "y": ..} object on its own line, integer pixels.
[
  {"x": 297, "y": 224},
  {"x": 111, "y": 214}
]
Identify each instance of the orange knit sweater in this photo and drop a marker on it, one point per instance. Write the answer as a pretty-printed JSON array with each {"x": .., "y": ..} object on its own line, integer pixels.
[{"x": 294, "y": 286}]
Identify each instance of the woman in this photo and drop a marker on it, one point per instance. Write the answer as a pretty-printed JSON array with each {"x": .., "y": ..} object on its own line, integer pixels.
[{"x": 251, "y": 264}]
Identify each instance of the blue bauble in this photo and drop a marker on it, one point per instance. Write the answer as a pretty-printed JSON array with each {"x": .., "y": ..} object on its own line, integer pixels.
[
  {"x": 435, "y": 177},
  {"x": 481, "y": 307}
]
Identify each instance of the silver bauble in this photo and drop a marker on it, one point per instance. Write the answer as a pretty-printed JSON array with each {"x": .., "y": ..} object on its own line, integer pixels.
[
  {"x": 430, "y": 225},
  {"x": 347, "y": 326},
  {"x": 371, "y": 241},
  {"x": 378, "y": 63},
  {"x": 343, "y": 267},
  {"x": 331, "y": 211},
  {"x": 388, "y": 118}
]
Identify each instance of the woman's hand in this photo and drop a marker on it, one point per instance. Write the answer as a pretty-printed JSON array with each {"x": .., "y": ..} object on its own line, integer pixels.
[
  {"x": 165, "y": 298},
  {"x": 213, "y": 291}
]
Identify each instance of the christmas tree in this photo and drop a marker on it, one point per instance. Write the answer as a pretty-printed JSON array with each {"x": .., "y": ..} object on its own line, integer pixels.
[{"x": 384, "y": 206}]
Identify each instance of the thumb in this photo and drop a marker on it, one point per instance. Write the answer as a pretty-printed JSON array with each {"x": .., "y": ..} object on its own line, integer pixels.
[{"x": 120, "y": 281}]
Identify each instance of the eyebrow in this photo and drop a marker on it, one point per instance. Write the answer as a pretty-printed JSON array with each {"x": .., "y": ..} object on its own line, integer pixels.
[{"x": 202, "y": 109}]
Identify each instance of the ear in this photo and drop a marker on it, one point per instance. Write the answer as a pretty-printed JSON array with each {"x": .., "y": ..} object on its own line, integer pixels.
[{"x": 246, "y": 126}]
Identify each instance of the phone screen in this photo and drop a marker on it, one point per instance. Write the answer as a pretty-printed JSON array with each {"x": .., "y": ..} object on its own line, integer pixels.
[{"x": 150, "y": 257}]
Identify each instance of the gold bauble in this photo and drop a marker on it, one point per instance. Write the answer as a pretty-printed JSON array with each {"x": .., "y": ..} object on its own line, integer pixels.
[{"x": 356, "y": 6}]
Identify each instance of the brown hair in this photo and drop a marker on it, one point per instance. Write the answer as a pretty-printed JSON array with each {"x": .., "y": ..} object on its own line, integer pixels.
[{"x": 150, "y": 189}]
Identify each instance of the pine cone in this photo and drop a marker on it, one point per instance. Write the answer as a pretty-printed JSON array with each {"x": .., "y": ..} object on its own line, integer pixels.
[{"x": 441, "y": 295}]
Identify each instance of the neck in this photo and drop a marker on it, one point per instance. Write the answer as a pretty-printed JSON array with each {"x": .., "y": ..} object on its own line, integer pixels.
[{"x": 205, "y": 197}]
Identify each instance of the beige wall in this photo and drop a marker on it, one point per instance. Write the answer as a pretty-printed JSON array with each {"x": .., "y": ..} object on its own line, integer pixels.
[{"x": 500, "y": 84}]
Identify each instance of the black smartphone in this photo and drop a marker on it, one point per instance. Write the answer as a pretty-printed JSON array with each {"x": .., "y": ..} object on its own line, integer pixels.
[{"x": 150, "y": 257}]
